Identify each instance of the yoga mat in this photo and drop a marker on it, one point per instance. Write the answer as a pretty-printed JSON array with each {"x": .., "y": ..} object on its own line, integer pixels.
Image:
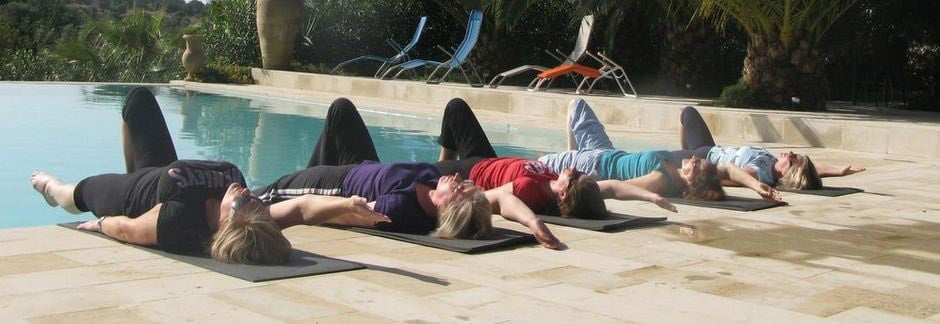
[
  {"x": 499, "y": 238},
  {"x": 611, "y": 221},
  {"x": 731, "y": 203},
  {"x": 301, "y": 263},
  {"x": 827, "y": 191}
]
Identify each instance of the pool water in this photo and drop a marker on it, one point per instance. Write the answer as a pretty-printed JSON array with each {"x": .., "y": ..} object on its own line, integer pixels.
[{"x": 73, "y": 131}]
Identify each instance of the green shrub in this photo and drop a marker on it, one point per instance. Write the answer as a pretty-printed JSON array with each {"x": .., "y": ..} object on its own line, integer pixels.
[
  {"x": 231, "y": 33},
  {"x": 226, "y": 73},
  {"x": 736, "y": 95}
]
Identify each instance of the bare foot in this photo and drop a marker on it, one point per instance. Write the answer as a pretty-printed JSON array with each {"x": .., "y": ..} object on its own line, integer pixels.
[{"x": 41, "y": 182}]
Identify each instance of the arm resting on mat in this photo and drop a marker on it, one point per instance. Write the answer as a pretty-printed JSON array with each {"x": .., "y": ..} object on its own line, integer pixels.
[
  {"x": 747, "y": 178},
  {"x": 511, "y": 208},
  {"x": 621, "y": 190},
  {"x": 141, "y": 230},
  {"x": 315, "y": 210}
]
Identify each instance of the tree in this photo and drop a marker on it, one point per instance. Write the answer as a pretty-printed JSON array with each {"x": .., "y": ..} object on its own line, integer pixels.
[{"x": 783, "y": 67}]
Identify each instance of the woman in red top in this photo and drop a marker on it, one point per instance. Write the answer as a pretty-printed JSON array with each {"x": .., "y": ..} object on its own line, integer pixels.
[{"x": 569, "y": 194}]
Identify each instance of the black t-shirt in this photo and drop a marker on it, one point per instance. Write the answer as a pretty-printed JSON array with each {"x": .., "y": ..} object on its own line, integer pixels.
[{"x": 183, "y": 187}]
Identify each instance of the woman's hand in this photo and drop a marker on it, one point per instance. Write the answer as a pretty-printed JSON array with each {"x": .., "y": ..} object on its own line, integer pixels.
[
  {"x": 92, "y": 226},
  {"x": 849, "y": 170},
  {"x": 661, "y": 202},
  {"x": 544, "y": 236},
  {"x": 364, "y": 210},
  {"x": 768, "y": 192}
]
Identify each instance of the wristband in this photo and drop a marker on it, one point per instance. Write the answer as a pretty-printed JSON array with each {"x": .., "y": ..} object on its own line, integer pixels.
[{"x": 100, "y": 220}]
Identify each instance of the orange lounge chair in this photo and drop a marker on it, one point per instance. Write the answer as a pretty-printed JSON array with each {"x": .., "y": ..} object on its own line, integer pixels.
[{"x": 608, "y": 70}]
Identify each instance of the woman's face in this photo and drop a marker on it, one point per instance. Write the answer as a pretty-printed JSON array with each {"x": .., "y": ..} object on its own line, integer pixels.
[
  {"x": 787, "y": 159},
  {"x": 566, "y": 179},
  {"x": 692, "y": 168},
  {"x": 236, "y": 197},
  {"x": 452, "y": 189}
]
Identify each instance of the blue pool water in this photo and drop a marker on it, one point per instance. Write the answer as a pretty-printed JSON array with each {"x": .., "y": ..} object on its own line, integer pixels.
[{"x": 72, "y": 131}]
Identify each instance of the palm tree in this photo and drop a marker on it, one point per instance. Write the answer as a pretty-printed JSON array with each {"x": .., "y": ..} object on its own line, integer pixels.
[
  {"x": 782, "y": 60},
  {"x": 130, "y": 50}
]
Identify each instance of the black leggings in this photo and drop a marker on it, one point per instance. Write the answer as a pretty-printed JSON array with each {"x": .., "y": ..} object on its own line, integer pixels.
[
  {"x": 152, "y": 148},
  {"x": 344, "y": 143},
  {"x": 344, "y": 139},
  {"x": 461, "y": 132},
  {"x": 697, "y": 140}
]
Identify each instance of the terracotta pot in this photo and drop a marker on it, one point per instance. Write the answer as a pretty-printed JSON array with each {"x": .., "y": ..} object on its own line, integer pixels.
[
  {"x": 194, "y": 57},
  {"x": 279, "y": 24}
]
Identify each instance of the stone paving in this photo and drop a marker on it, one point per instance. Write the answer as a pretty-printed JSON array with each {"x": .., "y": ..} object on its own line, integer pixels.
[{"x": 868, "y": 257}]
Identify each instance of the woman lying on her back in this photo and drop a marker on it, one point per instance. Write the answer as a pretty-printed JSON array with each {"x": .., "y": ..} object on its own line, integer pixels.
[
  {"x": 566, "y": 192},
  {"x": 590, "y": 149},
  {"x": 181, "y": 205},
  {"x": 414, "y": 196},
  {"x": 755, "y": 164}
]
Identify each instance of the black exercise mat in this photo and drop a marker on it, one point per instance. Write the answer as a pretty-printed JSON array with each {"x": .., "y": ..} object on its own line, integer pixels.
[
  {"x": 611, "y": 221},
  {"x": 301, "y": 263},
  {"x": 731, "y": 203},
  {"x": 827, "y": 191},
  {"x": 499, "y": 238}
]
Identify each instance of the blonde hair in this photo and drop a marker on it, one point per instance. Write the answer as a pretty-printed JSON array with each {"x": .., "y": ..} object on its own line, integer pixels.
[
  {"x": 802, "y": 175},
  {"x": 250, "y": 236},
  {"x": 470, "y": 218}
]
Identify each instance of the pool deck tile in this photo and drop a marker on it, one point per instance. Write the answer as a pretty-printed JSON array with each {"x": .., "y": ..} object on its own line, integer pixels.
[{"x": 867, "y": 257}]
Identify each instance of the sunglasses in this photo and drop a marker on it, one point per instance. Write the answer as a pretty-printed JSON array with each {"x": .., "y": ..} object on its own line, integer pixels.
[{"x": 241, "y": 201}]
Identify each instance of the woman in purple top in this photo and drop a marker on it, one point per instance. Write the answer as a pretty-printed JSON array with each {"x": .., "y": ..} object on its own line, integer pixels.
[{"x": 414, "y": 196}]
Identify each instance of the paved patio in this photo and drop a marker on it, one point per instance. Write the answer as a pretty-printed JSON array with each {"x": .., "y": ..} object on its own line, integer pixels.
[{"x": 868, "y": 257}]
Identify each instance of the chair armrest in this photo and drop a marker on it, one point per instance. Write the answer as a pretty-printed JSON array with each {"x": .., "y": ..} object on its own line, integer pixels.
[
  {"x": 556, "y": 57},
  {"x": 445, "y": 51},
  {"x": 598, "y": 59},
  {"x": 393, "y": 44}
]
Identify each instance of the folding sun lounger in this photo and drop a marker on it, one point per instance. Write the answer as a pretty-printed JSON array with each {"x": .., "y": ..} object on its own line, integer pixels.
[
  {"x": 389, "y": 61},
  {"x": 301, "y": 263},
  {"x": 580, "y": 47},
  {"x": 569, "y": 66},
  {"x": 458, "y": 58}
]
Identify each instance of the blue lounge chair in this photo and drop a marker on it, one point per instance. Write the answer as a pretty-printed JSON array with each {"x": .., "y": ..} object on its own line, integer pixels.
[
  {"x": 389, "y": 61},
  {"x": 457, "y": 59}
]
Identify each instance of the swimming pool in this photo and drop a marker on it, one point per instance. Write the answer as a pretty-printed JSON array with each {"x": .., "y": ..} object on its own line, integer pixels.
[{"x": 73, "y": 131}]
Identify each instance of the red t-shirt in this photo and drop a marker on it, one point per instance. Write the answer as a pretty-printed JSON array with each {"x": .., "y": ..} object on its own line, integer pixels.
[{"x": 529, "y": 179}]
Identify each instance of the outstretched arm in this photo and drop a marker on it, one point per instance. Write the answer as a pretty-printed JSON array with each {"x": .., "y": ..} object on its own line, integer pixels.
[
  {"x": 141, "y": 230},
  {"x": 825, "y": 170},
  {"x": 747, "y": 178},
  {"x": 622, "y": 190},
  {"x": 315, "y": 210},
  {"x": 511, "y": 208}
]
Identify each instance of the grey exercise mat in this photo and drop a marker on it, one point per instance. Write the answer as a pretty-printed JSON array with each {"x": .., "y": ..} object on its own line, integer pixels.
[
  {"x": 301, "y": 263},
  {"x": 611, "y": 221},
  {"x": 827, "y": 191},
  {"x": 499, "y": 238},
  {"x": 731, "y": 203}
]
